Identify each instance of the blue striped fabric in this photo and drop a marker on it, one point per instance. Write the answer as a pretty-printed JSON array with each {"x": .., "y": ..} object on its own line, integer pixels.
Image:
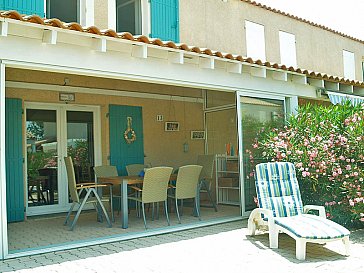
[
  {"x": 277, "y": 189},
  {"x": 312, "y": 227},
  {"x": 341, "y": 98}
]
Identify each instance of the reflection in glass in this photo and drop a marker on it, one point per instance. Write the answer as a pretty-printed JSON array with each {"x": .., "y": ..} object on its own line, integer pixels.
[
  {"x": 41, "y": 134},
  {"x": 259, "y": 116},
  {"x": 80, "y": 144}
]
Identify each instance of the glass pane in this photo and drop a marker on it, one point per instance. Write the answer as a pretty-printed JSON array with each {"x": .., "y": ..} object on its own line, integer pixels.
[
  {"x": 258, "y": 116},
  {"x": 215, "y": 98},
  {"x": 222, "y": 141},
  {"x": 65, "y": 10},
  {"x": 80, "y": 144},
  {"x": 128, "y": 16},
  {"x": 222, "y": 132},
  {"x": 42, "y": 155}
]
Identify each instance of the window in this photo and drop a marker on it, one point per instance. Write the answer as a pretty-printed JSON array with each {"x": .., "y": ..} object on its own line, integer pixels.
[
  {"x": 287, "y": 48},
  {"x": 128, "y": 16},
  {"x": 255, "y": 42},
  {"x": 80, "y": 11},
  {"x": 349, "y": 64}
]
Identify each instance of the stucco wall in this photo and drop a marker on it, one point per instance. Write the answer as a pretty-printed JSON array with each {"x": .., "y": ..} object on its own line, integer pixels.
[
  {"x": 101, "y": 13},
  {"x": 220, "y": 26},
  {"x": 161, "y": 148}
]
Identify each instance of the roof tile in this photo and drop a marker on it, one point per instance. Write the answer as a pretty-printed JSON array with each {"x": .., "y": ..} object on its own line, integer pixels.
[{"x": 155, "y": 41}]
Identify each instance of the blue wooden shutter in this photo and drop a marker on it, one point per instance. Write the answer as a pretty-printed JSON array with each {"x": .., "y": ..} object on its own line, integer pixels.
[
  {"x": 121, "y": 153},
  {"x": 165, "y": 19},
  {"x": 14, "y": 160},
  {"x": 24, "y": 6}
]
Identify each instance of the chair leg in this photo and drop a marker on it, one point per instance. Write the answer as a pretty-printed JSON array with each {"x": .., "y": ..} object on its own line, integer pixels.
[
  {"x": 152, "y": 211},
  {"x": 301, "y": 249},
  {"x": 69, "y": 213},
  {"x": 273, "y": 237},
  {"x": 347, "y": 245},
  {"x": 177, "y": 211},
  {"x": 166, "y": 211},
  {"x": 80, "y": 209},
  {"x": 157, "y": 210},
  {"x": 143, "y": 211},
  {"x": 111, "y": 205},
  {"x": 211, "y": 200},
  {"x": 181, "y": 207},
  {"x": 197, "y": 209},
  {"x": 102, "y": 207},
  {"x": 251, "y": 226}
]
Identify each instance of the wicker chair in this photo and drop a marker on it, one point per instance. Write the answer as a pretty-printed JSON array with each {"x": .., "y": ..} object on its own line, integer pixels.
[
  {"x": 186, "y": 186},
  {"x": 134, "y": 169},
  {"x": 154, "y": 189},
  {"x": 108, "y": 171},
  {"x": 76, "y": 190},
  {"x": 206, "y": 176}
]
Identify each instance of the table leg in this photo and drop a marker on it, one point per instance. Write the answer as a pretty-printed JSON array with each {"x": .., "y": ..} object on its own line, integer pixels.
[
  {"x": 124, "y": 204},
  {"x": 197, "y": 201}
]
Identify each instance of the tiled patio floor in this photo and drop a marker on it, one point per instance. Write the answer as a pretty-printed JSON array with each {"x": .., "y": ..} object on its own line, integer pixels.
[
  {"x": 37, "y": 232},
  {"x": 217, "y": 248}
]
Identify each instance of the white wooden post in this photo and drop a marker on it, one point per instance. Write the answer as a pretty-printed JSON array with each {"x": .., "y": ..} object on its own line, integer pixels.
[{"x": 3, "y": 216}]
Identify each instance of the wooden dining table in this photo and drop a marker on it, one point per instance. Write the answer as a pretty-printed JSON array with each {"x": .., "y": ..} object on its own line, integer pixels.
[{"x": 124, "y": 181}]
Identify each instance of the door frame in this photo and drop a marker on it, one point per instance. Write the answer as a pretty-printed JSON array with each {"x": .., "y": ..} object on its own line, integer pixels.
[
  {"x": 252, "y": 94},
  {"x": 63, "y": 204}
]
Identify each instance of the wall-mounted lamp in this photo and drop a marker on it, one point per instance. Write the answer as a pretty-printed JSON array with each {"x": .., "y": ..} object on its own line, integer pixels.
[{"x": 185, "y": 147}]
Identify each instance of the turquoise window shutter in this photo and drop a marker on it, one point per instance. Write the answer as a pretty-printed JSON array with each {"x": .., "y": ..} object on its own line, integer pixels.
[
  {"x": 165, "y": 19},
  {"x": 24, "y": 6},
  {"x": 122, "y": 153},
  {"x": 14, "y": 160}
]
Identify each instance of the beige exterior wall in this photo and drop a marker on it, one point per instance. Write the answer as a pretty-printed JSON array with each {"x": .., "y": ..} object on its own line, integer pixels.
[
  {"x": 101, "y": 13},
  {"x": 220, "y": 26},
  {"x": 161, "y": 148}
]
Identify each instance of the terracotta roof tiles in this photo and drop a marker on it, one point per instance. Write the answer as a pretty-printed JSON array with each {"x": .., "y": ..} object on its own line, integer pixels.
[{"x": 169, "y": 44}]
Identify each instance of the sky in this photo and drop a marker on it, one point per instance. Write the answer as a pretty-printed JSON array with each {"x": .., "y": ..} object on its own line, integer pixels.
[{"x": 345, "y": 16}]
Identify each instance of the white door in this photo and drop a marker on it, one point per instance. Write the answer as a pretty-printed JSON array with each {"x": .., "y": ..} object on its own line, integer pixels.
[{"x": 53, "y": 132}]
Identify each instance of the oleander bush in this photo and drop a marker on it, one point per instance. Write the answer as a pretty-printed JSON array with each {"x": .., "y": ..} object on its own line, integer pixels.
[{"x": 326, "y": 145}]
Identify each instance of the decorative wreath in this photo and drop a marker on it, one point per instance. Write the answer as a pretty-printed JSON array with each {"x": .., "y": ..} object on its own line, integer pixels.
[{"x": 129, "y": 134}]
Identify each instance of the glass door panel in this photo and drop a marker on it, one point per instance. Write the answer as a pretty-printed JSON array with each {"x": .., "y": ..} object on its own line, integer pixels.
[
  {"x": 42, "y": 157},
  {"x": 257, "y": 116},
  {"x": 80, "y": 144}
]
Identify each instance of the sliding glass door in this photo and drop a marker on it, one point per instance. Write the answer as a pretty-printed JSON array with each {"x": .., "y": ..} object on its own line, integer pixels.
[{"x": 256, "y": 115}]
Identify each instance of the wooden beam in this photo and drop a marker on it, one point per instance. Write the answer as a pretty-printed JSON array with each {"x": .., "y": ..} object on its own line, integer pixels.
[
  {"x": 260, "y": 72},
  {"x": 175, "y": 57},
  {"x": 299, "y": 79},
  {"x": 278, "y": 75},
  {"x": 99, "y": 44},
  {"x": 316, "y": 82},
  {"x": 49, "y": 37},
  {"x": 347, "y": 88},
  {"x": 208, "y": 63},
  {"x": 331, "y": 86},
  {"x": 358, "y": 90},
  {"x": 140, "y": 51},
  {"x": 4, "y": 29},
  {"x": 234, "y": 67}
]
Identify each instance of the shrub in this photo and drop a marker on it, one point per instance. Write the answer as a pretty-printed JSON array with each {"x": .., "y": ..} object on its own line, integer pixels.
[{"x": 326, "y": 144}]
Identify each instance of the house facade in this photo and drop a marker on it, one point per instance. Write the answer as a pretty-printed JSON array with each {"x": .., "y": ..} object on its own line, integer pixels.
[{"x": 72, "y": 89}]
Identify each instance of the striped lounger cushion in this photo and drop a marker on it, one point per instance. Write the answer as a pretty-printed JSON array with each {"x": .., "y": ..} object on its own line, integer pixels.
[{"x": 312, "y": 227}]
